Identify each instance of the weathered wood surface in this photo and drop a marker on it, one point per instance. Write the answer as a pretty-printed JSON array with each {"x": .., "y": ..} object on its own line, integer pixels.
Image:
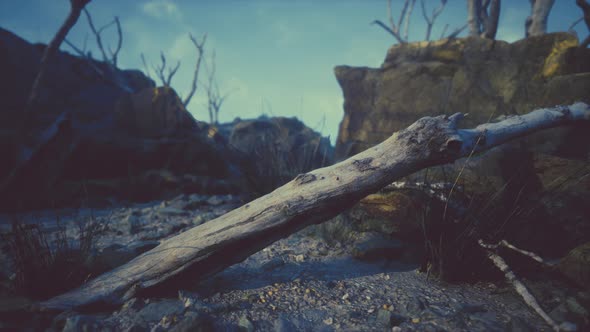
[{"x": 309, "y": 198}]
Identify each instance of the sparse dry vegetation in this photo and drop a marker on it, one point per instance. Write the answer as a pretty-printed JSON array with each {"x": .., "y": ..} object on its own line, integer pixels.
[{"x": 48, "y": 262}]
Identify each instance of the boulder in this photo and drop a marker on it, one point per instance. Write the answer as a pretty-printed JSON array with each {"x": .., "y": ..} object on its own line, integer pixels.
[
  {"x": 487, "y": 79},
  {"x": 281, "y": 148},
  {"x": 153, "y": 113},
  {"x": 576, "y": 265}
]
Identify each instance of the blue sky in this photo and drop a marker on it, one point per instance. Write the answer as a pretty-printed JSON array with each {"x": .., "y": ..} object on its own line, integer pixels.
[{"x": 275, "y": 56}]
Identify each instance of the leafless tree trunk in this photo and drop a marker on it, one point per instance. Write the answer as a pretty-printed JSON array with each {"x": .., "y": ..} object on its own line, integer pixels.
[
  {"x": 165, "y": 74},
  {"x": 76, "y": 7},
  {"x": 483, "y": 17},
  {"x": 585, "y": 6},
  {"x": 536, "y": 24},
  {"x": 214, "y": 97},
  {"x": 165, "y": 78},
  {"x": 309, "y": 198},
  {"x": 473, "y": 10},
  {"x": 492, "y": 19},
  {"x": 200, "y": 46},
  {"x": 24, "y": 153}
]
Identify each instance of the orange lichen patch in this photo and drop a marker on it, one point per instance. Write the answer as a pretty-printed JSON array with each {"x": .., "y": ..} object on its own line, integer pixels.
[
  {"x": 555, "y": 59},
  {"x": 447, "y": 55},
  {"x": 156, "y": 94},
  {"x": 212, "y": 132},
  {"x": 386, "y": 204}
]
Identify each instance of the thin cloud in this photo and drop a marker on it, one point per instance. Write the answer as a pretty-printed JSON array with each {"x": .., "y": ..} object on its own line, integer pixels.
[{"x": 161, "y": 9}]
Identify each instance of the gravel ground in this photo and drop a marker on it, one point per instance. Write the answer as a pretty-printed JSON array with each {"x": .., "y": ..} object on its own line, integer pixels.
[{"x": 300, "y": 283}]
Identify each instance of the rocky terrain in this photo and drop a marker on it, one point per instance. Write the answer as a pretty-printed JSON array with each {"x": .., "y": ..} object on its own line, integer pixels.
[{"x": 314, "y": 280}]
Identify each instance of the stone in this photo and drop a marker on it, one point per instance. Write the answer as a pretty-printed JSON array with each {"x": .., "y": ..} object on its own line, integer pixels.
[
  {"x": 376, "y": 247},
  {"x": 82, "y": 323},
  {"x": 245, "y": 324},
  {"x": 470, "y": 75},
  {"x": 194, "y": 321},
  {"x": 153, "y": 113},
  {"x": 487, "y": 79},
  {"x": 154, "y": 311},
  {"x": 281, "y": 149},
  {"x": 172, "y": 212},
  {"x": 282, "y": 324},
  {"x": 576, "y": 265}
]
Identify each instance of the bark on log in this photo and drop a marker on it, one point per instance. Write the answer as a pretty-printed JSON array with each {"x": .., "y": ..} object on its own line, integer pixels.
[{"x": 309, "y": 198}]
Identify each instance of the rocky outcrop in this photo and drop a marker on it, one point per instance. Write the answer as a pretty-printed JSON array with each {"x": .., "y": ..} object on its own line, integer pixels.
[
  {"x": 280, "y": 148},
  {"x": 100, "y": 128},
  {"x": 535, "y": 186},
  {"x": 482, "y": 77}
]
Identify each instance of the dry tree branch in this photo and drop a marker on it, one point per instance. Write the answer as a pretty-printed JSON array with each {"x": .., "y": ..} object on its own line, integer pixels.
[
  {"x": 444, "y": 30},
  {"x": 520, "y": 288},
  {"x": 96, "y": 34},
  {"x": 214, "y": 98},
  {"x": 76, "y": 7},
  {"x": 386, "y": 28},
  {"x": 145, "y": 66},
  {"x": 200, "y": 51},
  {"x": 115, "y": 53},
  {"x": 86, "y": 56},
  {"x": 394, "y": 29},
  {"x": 160, "y": 71},
  {"x": 457, "y": 31},
  {"x": 430, "y": 19},
  {"x": 573, "y": 25},
  {"x": 407, "y": 19},
  {"x": 585, "y": 6},
  {"x": 112, "y": 59}
]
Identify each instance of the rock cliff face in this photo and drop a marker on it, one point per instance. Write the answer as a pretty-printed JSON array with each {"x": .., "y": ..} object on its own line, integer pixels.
[{"x": 482, "y": 77}]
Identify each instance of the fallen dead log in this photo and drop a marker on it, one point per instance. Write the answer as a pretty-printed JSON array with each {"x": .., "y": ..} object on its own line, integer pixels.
[{"x": 309, "y": 198}]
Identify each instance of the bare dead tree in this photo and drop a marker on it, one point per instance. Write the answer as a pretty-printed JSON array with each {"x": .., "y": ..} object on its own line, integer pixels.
[
  {"x": 483, "y": 17},
  {"x": 214, "y": 97},
  {"x": 200, "y": 53},
  {"x": 113, "y": 55},
  {"x": 585, "y": 6},
  {"x": 165, "y": 78},
  {"x": 76, "y": 7},
  {"x": 453, "y": 34},
  {"x": 110, "y": 58},
  {"x": 473, "y": 9},
  {"x": 536, "y": 23},
  {"x": 430, "y": 19},
  {"x": 165, "y": 74},
  {"x": 87, "y": 55},
  {"x": 145, "y": 66},
  {"x": 404, "y": 17}
]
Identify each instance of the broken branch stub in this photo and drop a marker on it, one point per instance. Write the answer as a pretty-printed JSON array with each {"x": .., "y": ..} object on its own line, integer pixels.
[{"x": 308, "y": 199}]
